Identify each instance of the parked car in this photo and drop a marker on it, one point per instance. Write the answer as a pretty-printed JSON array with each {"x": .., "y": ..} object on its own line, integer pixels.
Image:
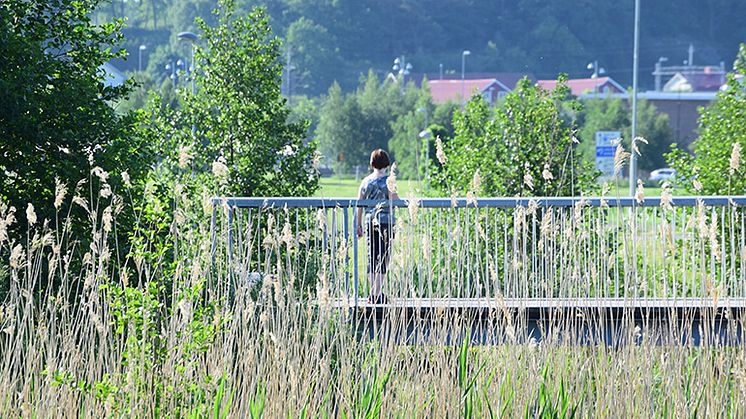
[
  {"x": 659, "y": 175},
  {"x": 325, "y": 171}
]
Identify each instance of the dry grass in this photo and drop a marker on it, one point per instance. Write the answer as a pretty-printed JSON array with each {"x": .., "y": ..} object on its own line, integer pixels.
[{"x": 240, "y": 337}]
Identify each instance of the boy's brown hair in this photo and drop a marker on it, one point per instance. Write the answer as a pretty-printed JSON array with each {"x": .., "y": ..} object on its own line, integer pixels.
[{"x": 379, "y": 159}]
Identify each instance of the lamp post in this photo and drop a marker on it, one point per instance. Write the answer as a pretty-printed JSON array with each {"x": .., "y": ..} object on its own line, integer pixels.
[
  {"x": 402, "y": 68},
  {"x": 464, "y": 53},
  {"x": 657, "y": 73},
  {"x": 192, "y": 38},
  {"x": 597, "y": 71},
  {"x": 173, "y": 67},
  {"x": 427, "y": 146},
  {"x": 635, "y": 63},
  {"x": 139, "y": 57}
]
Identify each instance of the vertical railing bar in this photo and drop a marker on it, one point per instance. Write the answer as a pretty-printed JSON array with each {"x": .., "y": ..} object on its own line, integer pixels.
[
  {"x": 346, "y": 233},
  {"x": 355, "y": 277},
  {"x": 230, "y": 244},
  {"x": 213, "y": 234},
  {"x": 724, "y": 277}
]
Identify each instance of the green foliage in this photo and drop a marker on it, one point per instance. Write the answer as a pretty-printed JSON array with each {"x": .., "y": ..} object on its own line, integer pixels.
[
  {"x": 368, "y": 397},
  {"x": 405, "y": 144},
  {"x": 236, "y": 117},
  {"x": 352, "y": 125},
  {"x": 610, "y": 114},
  {"x": 336, "y": 40},
  {"x": 722, "y": 131},
  {"x": 55, "y": 115},
  {"x": 310, "y": 49},
  {"x": 551, "y": 406},
  {"x": 522, "y": 147}
]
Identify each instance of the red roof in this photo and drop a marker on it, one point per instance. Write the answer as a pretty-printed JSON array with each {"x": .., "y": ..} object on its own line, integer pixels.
[
  {"x": 580, "y": 86},
  {"x": 450, "y": 90}
]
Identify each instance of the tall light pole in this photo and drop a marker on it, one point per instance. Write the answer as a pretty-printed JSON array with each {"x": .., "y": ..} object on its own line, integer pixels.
[
  {"x": 427, "y": 144},
  {"x": 173, "y": 67},
  {"x": 139, "y": 57},
  {"x": 635, "y": 63},
  {"x": 657, "y": 73},
  {"x": 597, "y": 71},
  {"x": 402, "y": 68},
  {"x": 464, "y": 53},
  {"x": 192, "y": 38}
]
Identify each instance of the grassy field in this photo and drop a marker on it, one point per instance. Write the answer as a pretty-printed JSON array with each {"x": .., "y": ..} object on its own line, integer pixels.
[
  {"x": 250, "y": 328},
  {"x": 343, "y": 187}
]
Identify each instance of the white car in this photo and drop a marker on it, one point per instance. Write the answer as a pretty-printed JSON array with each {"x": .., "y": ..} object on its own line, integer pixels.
[{"x": 662, "y": 174}]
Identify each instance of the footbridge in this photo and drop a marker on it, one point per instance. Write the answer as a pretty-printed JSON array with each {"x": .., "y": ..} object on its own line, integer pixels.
[{"x": 585, "y": 269}]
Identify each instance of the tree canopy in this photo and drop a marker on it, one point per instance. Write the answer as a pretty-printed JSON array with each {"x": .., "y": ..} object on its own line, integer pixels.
[
  {"x": 523, "y": 147},
  {"x": 338, "y": 40},
  {"x": 716, "y": 166},
  {"x": 236, "y": 116},
  {"x": 56, "y": 118},
  {"x": 613, "y": 114}
]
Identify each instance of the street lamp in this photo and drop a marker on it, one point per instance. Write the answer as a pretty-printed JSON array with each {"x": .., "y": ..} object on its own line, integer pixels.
[
  {"x": 290, "y": 69},
  {"x": 139, "y": 57},
  {"x": 192, "y": 38},
  {"x": 402, "y": 68},
  {"x": 464, "y": 53},
  {"x": 174, "y": 67},
  {"x": 657, "y": 73},
  {"x": 597, "y": 71},
  {"x": 635, "y": 64},
  {"x": 423, "y": 134}
]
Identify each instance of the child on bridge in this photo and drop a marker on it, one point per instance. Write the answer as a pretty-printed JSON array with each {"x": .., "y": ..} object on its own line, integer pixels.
[{"x": 379, "y": 221}]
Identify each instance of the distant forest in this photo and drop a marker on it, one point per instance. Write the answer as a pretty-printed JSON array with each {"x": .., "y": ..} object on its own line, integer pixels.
[{"x": 327, "y": 40}]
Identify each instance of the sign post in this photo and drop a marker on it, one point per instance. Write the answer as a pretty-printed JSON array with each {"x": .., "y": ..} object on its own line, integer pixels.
[{"x": 605, "y": 149}]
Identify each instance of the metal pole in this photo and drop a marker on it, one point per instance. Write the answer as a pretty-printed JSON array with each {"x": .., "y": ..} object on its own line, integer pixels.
[
  {"x": 191, "y": 73},
  {"x": 463, "y": 82},
  {"x": 355, "y": 277},
  {"x": 464, "y": 53},
  {"x": 635, "y": 64}
]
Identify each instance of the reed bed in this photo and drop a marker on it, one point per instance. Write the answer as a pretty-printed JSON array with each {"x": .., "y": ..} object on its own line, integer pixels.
[{"x": 248, "y": 327}]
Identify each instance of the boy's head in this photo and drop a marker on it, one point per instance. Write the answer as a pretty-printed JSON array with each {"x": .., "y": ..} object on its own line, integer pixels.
[{"x": 379, "y": 159}]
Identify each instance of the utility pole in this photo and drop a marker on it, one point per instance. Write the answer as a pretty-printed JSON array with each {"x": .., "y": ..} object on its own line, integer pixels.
[
  {"x": 635, "y": 63},
  {"x": 288, "y": 69},
  {"x": 464, "y": 53},
  {"x": 691, "y": 55}
]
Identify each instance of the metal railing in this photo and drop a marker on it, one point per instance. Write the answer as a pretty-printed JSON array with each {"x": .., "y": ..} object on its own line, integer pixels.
[{"x": 517, "y": 248}]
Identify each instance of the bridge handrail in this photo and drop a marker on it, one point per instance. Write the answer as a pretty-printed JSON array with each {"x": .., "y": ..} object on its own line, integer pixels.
[{"x": 298, "y": 202}]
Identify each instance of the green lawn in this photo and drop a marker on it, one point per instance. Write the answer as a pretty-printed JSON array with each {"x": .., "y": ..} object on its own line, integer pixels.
[
  {"x": 346, "y": 187},
  {"x": 339, "y": 187}
]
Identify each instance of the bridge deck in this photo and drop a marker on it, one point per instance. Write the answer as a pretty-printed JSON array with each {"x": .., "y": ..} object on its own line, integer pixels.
[
  {"x": 546, "y": 303},
  {"x": 590, "y": 320}
]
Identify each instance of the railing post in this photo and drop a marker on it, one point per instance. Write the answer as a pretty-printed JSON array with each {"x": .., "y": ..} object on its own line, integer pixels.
[
  {"x": 213, "y": 235},
  {"x": 354, "y": 253},
  {"x": 230, "y": 242},
  {"x": 346, "y": 233}
]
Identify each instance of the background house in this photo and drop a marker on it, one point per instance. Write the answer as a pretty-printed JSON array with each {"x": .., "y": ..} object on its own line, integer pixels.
[
  {"x": 443, "y": 91},
  {"x": 578, "y": 87}
]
